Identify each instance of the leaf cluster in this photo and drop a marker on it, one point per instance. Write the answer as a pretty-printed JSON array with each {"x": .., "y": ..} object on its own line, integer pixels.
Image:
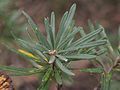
[{"x": 50, "y": 55}]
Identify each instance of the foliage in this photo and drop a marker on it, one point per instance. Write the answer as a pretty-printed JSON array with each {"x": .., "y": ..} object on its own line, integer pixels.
[
  {"x": 108, "y": 62},
  {"x": 51, "y": 55}
]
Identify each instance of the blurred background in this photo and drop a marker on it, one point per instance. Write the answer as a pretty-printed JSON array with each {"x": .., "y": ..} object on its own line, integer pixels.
[{"x": 106, "y": 12}]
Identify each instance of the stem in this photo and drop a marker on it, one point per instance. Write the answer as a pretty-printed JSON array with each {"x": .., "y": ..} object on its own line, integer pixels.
[
  {"x": 106, "y": 81},
  {"x": 59, "y": 87}
]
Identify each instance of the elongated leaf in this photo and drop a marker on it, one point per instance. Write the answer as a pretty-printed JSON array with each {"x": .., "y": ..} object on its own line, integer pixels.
[
  {"x": 22, "y": 52},
  {"x": 52, "y": 38},
  {"x": 67, "y": 32},
  {"x": 86, "y": 45},
  {"x": 29, "y": 35},
  {"x": 41, "y": 55},
  {"x": 106, "y": 81},
  {"x": 62, "y": 58},
  {"x": 48, "y": 31},
  {"x": 92, "y": 70},
  {"x": 53, "y": 27},
  {"x": 87, "y": 37},
  {"x": 91, "y": 44},
  {"x": 33, "y": 60},
  {"x": 25, "y": 44},
  {"x": 45, "y": 79},
  {"x": 68, "y": 38},
  {"x": 81, "y": 56},
  {"x": 20, "y": 71},
  {"x": 45, "y": 87},
  {"x": 62, "y": 23},
  {"x": 40, "y": 47},
  {"x": 53, "y": 23},
  {"x": 35, "y": 28},
  {"x": 58, "y": 77},
  {"x": 67, "y": 23},
  {"x": 70, "y": 15},
  {"x": 102, "y": 51},
  {"x": 63, "y": 68}
]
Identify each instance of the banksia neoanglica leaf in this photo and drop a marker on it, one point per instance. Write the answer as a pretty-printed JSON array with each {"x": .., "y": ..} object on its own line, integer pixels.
[{"x": 52, "y": 53}]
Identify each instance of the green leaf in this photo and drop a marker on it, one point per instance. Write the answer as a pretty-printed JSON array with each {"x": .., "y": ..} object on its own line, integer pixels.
[
  {"x": 53, "y": 27},
  {"x": 40, "y": 47},
  {"x": 20, "y": 71},
  {"x": 45, "y": 87},
  {"x": 45, "y": 79},
  {"x": 48, "y": 31},
  {"x": 67, "y": 32},
  {"x": 35, "y": 28},
  {"x": 58, "y": 77},
  {"x": 92, "y": 70},
  {"x": 67, "y": 23},
  {"x": 62, "y": 58},
  {"x": 62, "y": 23},
  {"x": 70, "y": 16},
  {"x": 41, "y": 55},
  {"x": 92, "y": 44},
  {"x": 84, "y": 45},
  {"x": 63, "y": 68},
  {"x": 106, "y": 79},
  {"x": 29, "y": 35},
  {"x": 68, "y": 38},
  {"x": 87, "y": 37},
  {"x": 102, "y": 51},
  {"x": 25, "y": 44},
  {"x": 81, "y": 56},
  {"x": 33, "y": 60}
]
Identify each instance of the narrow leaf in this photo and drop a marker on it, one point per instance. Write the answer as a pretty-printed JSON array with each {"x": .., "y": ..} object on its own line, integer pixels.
[
  {"x": 68, "y": 22},
  {"x": 20, "y": 71},
  {"x": 87, "y": 37},
  {"x": 81, "y": 56},
  {"x": 58, "y": 77},
  {"x": 68, "y": 38},
  {"x": 85, "y": 45},
  {"x": 70, "y": 15},
  {"x": 47, "y": 28},
  {"x": 45, "y": 79},
  {"x": 63, "y": 68},
  {"x": 92, "y": 70},
  {"x": 53, "y": 27},
  {"x": 62, "y": 23},
  {"x": 35, "y": 28},
  {"x": 62, "y": 58},
  {"x": 41, "y": 55}
]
